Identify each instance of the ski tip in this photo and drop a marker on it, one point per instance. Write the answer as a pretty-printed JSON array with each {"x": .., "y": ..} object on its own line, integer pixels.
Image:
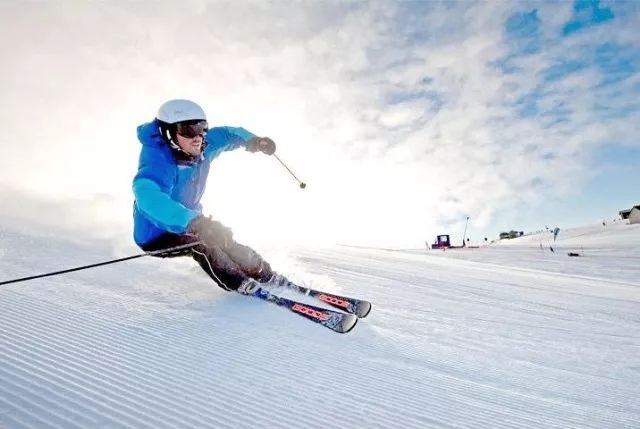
[
  {"x": 364, "y": 308},
  {"x": 348, "y": 323}
]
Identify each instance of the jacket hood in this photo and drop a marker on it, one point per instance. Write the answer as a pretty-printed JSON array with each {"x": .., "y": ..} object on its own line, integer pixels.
[{"x": 149, "y": 134}]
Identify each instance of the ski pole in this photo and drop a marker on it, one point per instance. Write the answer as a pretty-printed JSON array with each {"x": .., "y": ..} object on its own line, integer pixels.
[
  {"x": 113, "y": 261},
  {"x": 302, "y": 184}
]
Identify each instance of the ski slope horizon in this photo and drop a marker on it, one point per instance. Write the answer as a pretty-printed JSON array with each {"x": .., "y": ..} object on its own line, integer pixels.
[{"x": 510, "y": 335}]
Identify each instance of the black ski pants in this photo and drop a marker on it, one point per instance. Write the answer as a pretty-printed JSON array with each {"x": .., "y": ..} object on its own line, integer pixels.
[{"x": 228, "y": 266}]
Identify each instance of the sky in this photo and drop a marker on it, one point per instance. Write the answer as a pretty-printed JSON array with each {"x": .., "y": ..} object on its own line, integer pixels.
[{"x": 403, "y": 118}]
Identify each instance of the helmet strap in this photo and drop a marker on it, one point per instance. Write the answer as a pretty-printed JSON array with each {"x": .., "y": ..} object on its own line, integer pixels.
[{"x": 181, "y": 155}]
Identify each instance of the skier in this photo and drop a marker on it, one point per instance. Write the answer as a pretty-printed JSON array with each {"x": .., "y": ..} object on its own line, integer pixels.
[{"x": 177, "y": 150}]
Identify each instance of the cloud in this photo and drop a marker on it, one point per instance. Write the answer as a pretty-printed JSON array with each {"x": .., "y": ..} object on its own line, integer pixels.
[{"x": 400, "y": 116}]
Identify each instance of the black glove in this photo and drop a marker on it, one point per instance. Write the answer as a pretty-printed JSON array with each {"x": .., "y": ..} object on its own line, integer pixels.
[
  {"x": 210, "y": 232},
  {"x": 262, "y": 144}
]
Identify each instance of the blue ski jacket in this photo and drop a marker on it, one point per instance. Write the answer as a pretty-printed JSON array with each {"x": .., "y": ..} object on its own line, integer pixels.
[{"x": 167, "y": 191}]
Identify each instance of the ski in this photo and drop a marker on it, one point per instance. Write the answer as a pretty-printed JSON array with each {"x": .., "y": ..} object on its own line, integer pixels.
[
  {"x": 334, "y": 320},
  {"x": 359, "y": 307}
]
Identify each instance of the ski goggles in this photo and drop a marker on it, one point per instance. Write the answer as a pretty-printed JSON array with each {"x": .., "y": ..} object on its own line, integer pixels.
[{"x": 192, "y": 129}]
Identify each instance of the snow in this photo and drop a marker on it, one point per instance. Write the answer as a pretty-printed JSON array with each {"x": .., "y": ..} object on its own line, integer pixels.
[{"x": 509, "y": 336}]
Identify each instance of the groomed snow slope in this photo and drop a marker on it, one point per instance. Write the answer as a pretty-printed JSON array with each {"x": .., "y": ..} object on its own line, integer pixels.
[{"x": 480, "y": 339}]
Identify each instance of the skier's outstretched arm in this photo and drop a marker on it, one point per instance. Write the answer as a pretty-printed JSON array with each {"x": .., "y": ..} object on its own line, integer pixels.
[{"x": 230, "y": 138}]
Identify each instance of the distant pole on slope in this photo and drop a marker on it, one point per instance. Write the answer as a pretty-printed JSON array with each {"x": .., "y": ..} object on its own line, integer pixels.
[{"x": 465, "y": 232}]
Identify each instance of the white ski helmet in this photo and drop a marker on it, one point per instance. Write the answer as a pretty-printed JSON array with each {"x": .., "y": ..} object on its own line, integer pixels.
[{"x": 174, "y": 111}]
